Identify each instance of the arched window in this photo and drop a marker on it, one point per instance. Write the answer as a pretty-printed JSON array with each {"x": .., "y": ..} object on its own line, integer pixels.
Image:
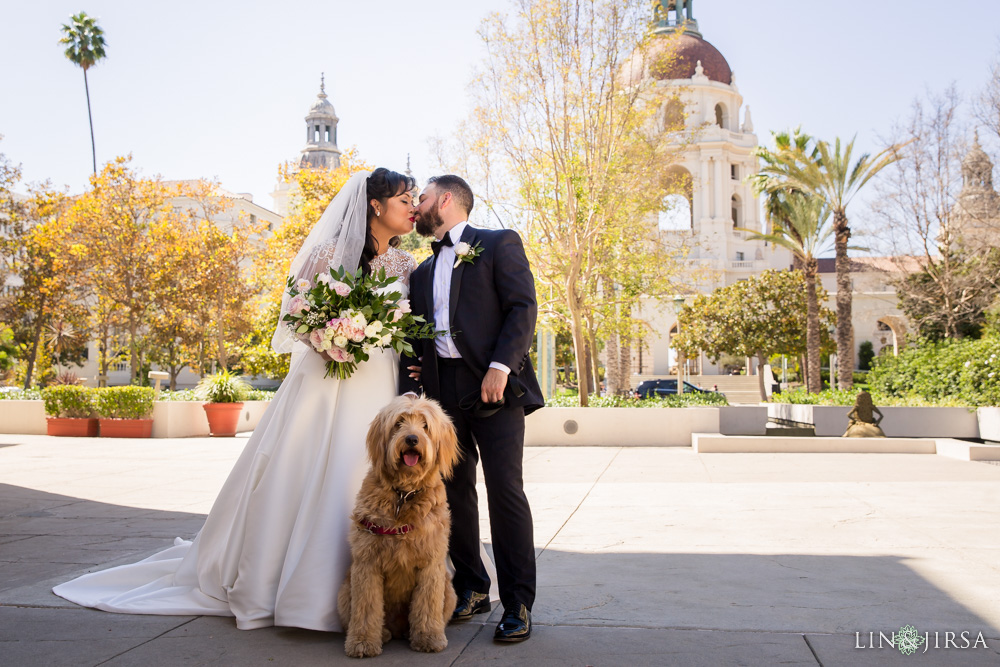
[
  {"x": 673, "y": 115},
  {"x": 677, "y": 210},
  {"x": 720, "y": 116}
]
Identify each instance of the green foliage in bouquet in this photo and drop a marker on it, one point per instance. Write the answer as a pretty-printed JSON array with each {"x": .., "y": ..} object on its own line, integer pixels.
[
  {"x": 125, "y": 402},
  {"x": 223, "y": 387},
  {"x": 345, "y": 316},
  {"x": 69, "y": 400}
]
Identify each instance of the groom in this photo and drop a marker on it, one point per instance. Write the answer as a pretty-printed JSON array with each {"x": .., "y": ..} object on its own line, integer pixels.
[{"x": 478, "y": 287}]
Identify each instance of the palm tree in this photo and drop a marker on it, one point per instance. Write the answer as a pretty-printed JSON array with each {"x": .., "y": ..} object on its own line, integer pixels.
[
  {"x": 799, "y": 222},
  {"x": 85, "y": 44},
  {"x": 828, "y": 174}
]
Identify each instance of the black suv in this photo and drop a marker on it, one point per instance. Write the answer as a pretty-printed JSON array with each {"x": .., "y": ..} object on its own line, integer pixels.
[{"x": 650, "y": 388}]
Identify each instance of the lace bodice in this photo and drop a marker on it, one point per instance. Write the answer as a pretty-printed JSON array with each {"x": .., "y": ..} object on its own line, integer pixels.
[{"x": 396, "y": 262}]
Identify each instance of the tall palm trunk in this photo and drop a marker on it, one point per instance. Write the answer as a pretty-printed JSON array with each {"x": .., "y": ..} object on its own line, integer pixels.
[
  {"x": 845, "y": 328},
  {"x": 812, "y": 328},
  {"x": 90, "y": 117}
]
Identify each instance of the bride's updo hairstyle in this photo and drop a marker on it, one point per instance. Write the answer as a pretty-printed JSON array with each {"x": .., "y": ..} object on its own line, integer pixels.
[{"x": 382, "y": 184}]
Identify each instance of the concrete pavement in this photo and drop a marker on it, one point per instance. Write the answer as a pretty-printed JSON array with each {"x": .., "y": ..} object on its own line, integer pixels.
[{"x": 647, "y": 556}]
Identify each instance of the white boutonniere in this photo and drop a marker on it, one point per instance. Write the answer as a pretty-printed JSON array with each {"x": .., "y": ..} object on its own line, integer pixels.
[{"x": 466, "y": 253}]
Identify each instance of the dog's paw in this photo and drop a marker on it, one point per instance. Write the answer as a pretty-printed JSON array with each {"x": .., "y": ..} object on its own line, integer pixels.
[
  {"x": 429, "y": 643},
  {"x": 357, "y": 648}
]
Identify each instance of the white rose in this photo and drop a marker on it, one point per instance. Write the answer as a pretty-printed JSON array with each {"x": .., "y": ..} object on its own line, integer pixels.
[
  {"x": 340, "y": 341},
  {"x": 323, "y": 278},
  {"x": 326, "y": 345},
  {"x": 303, "y": 285},
  {"x": 462, "y": 249},
  {"x": 370, "y": 330},
  {"x": 378, "y": 326}
]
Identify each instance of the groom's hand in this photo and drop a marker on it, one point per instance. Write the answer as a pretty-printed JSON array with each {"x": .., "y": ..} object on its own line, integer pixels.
[{"x": 493, "y": 385}]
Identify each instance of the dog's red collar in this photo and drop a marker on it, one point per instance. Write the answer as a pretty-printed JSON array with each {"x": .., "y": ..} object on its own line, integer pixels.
[{"x": 375, "y": 529}]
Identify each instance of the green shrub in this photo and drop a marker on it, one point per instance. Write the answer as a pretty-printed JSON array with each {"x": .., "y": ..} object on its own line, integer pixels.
[
  {"x": 32, "y": 394},
  {"x": 125, "y": 402},
  {"x": 672, "y": 401},
  {"x": 964, "y": 371},
  {"x": 68, "y": 401},
  {"x": 189, "y": 395},
  {"x": 223, "y": 387},
  {"x": 847, "y": 397}
]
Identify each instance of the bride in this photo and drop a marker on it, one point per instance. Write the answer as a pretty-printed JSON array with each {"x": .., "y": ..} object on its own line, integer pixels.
[{"x": 273, "y": 550}]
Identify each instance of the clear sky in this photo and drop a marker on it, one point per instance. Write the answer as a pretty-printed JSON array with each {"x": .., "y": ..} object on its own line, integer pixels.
[{"x": 219, "y": 88}]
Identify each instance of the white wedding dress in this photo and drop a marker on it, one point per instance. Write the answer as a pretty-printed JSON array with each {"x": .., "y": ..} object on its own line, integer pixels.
[{"x": 273, "y": 550}]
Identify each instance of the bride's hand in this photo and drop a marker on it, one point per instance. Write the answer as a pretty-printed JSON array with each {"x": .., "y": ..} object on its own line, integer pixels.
[{"x": 415, "y": 370}]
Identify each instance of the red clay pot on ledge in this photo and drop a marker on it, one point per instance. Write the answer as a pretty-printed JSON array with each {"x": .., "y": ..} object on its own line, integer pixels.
[
  {"x": 126, "y": 428},
  {"x": 223, "y": 418},
  {"x": 76, "y": 427}
]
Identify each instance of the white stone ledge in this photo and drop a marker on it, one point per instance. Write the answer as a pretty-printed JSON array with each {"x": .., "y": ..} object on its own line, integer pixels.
[
  {"x": 716, "y": 443},
  {"x": 171, "y": 419}
]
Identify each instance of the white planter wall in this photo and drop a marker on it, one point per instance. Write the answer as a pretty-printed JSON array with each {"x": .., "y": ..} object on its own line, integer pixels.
[
  {"x": 171, "y": 419},
  {"x": 989, "y": 423},
  {"x": 831, "y": 420},
  {"x": 27, "y": 417},
  {"x": 618, "y": 427}
]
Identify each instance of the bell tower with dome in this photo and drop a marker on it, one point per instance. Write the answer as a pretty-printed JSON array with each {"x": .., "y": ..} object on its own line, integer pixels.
[
  {"x": 718, "y": 147},
  {"x": 321, "y": 150},
  {"x": 975, "y": 221}
]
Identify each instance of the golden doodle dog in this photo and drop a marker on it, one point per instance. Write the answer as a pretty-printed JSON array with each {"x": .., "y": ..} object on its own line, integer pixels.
[{"x": 399, "y": 582}]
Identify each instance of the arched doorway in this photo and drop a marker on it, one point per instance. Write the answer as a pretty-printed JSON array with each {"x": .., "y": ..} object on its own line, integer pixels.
[{"x": 890, "y": 332}]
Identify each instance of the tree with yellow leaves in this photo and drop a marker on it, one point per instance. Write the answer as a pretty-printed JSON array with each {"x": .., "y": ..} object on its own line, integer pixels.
[
  {"x": 47, "y": 303},
  {"x": 115, "y": 228},
  {"x": 569, "y": 130}
]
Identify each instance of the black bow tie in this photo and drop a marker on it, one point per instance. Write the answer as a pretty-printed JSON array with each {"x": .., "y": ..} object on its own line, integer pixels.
[{"x": 437, "y": 245}]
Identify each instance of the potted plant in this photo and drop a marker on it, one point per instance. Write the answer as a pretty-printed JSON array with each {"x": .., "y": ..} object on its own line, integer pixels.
[
  {"x": 70, "y": 410},
  {"x": 224, "y": 394},
  {"x": 125, "y": 412}
]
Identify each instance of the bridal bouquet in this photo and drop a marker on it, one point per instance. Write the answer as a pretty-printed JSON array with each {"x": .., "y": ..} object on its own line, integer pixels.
[{"x": 346, "y": 316}]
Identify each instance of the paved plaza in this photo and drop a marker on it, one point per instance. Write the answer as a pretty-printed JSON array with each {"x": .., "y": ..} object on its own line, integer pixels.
[{"x": 646, "y": 556}]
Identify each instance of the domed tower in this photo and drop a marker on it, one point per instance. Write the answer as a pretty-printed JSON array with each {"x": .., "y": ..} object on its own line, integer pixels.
[
  {"x": 976, "y": 218},
  {"x": 718, "y": 147},
  {"x": 321, "y": 150}
]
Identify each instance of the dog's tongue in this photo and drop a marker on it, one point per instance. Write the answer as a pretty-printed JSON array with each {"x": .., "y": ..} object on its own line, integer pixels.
[{"x": 411, "y": 458}]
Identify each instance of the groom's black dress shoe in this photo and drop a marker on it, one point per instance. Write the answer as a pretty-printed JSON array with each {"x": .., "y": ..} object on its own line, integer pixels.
[
  {"x": 515, "y": 626},
  {"x": 469, "y": 604}
]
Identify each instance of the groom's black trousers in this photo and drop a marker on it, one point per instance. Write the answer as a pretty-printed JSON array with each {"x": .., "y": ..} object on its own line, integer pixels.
[{"x": 499, "y": 441}]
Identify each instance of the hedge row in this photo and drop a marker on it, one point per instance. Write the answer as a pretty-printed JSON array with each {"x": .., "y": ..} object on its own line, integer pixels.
[{"x": 963, "y": 371}]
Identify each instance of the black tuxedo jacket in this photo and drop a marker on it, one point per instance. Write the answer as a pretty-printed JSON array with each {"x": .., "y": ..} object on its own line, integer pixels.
[{"x": 492, "y": 311}]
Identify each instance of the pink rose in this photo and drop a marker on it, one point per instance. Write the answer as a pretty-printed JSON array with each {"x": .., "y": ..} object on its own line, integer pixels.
[
  {"x": 341, "y": 355},
  {"x": 297, "y": 305},
  {"x": 316, "y": 338},
  {"x": 340, "y": 288}
]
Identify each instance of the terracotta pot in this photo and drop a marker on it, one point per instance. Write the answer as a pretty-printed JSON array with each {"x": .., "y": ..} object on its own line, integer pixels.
[
  {"x": 126, "y": 428},
  {"x": 223, "y": 418},
  {"x": 72, "y": 426}
]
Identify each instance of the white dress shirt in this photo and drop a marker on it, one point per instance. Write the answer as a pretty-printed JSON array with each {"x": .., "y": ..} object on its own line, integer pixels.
[{"x": 443, "y": 267}]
